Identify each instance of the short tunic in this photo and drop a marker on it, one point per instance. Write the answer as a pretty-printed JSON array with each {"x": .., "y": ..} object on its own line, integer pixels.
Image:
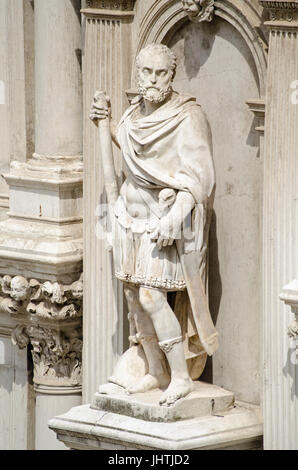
[{"x": 137, "y": 259}]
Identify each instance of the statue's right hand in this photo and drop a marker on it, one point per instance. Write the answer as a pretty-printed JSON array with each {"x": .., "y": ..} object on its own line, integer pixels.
[{"x": 100, "y": 107}]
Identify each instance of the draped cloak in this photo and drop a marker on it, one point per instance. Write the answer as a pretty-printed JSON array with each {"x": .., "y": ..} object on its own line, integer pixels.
[{"x": 172, "y": 148}]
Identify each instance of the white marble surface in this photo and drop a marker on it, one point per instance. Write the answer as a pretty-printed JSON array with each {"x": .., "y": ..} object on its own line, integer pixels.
[{"x": 84, "y": 428}]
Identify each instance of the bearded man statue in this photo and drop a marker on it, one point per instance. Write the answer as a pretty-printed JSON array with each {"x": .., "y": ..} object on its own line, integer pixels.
[{"x": 161, "y": 219}]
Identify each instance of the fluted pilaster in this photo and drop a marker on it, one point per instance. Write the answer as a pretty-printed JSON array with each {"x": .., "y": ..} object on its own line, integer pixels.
[
  {"x": 107, "y": 67},
  {"x": 280, "y": 261}
]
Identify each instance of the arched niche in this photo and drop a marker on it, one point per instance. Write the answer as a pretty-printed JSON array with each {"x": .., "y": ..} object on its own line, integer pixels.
[{"x": 223, "y": 64}]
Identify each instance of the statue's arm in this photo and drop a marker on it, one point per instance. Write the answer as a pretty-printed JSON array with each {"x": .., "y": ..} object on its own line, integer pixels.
[{"x": 113, "y": 128}]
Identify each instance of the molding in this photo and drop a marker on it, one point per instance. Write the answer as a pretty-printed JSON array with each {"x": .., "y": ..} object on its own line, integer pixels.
[
  {"x": 279, "y": 4},
  {"x": 108, "y": 14},
  {"x": 121, "y": 5},
  {"x": 258, "y": 107},
  {"x": 283, "y": 14},
  {"x": 62, "y": 390},
  {"x": 110, "y": 9},
  {"x": 4, "y": 201}
]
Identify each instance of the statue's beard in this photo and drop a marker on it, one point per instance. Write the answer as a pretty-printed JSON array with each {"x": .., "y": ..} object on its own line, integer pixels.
[{"x": 155, "y": 94}]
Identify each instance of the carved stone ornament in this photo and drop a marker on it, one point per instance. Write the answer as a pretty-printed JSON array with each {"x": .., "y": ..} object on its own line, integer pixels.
[
  {"x": 199, "y": 10},
  {"x": 50, "y": 300},
  {"x": 289, "y": 296},
  {"x": 111, "y": 4},
  {"x": 281, "y": 10},
  {"x": 57, "y": 355}
]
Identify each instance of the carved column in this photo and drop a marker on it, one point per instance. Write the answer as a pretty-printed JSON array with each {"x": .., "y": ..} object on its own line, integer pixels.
[
  {"x": 280, "y": 260},
  {"x": 41, "y": 240},
  {"x": 16, "y": 86},
  {"x": 107, "y": 67}
]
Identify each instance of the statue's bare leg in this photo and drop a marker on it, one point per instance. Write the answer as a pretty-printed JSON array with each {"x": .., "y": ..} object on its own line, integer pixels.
[
  {"x": 157, "y": 376},
  {"x": 168, "y": 331}
]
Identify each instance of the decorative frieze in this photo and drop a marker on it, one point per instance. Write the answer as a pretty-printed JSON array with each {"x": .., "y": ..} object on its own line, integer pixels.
[
  {"x": 282, "y": 13},
  {"x": 111, "y": 4},
  {"x": 49, "y": 318},
  {"x": 49, "y": 300}
]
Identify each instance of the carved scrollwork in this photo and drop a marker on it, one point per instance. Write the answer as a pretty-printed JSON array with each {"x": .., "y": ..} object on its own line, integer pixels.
[
  {"x": 19, "y": 295},
  {"x": 199, "y": 10},
  {"x": 57, "y": 355}
]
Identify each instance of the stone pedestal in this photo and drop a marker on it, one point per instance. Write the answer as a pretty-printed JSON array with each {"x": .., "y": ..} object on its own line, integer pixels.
[{"x": 198, "y": 422}]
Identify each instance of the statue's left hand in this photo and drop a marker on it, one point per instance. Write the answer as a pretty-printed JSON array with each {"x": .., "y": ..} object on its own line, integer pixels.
[{"x": 167, "y": 232}]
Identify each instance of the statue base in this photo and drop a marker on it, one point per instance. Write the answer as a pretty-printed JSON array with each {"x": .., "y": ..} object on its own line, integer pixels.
[
  {"x": 137, "y": 422},
  {"x": 206, "y": 399}
]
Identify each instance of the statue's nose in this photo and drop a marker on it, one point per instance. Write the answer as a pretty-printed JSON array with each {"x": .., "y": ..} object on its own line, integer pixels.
[{"x": 153, "y": 79}]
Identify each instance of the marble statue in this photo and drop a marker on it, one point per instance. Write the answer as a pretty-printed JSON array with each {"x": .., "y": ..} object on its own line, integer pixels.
[{"x": 162, "y": 217}]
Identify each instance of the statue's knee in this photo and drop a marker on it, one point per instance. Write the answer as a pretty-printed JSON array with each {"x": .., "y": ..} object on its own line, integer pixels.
[{"x": 150, "y": 299}]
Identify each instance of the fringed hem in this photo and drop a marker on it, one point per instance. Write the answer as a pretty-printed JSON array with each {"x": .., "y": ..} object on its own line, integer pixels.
[{"x": 165, "y": 284}]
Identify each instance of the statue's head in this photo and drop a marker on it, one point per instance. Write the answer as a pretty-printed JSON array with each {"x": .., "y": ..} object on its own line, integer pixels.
[
  {"x": 156, "y": 68},
  {"x": 199, "y": 10},
  {"x": 192, "y": 7},
  {"x": 19, "y": 288}
]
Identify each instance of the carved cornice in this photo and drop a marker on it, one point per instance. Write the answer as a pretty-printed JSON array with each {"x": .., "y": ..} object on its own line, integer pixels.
[
  {"x": 283, "y": 14},
  {"x": 32, "y": 299},
  {"x": 258, "y": 108},
  {"x": 56, "y": 354},
  {"x": 110, "y": 9},
  {"x": 111, "y": 4}
]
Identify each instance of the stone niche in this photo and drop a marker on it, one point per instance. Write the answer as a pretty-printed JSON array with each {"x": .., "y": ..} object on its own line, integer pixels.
[{"x": 216, "y": 66}]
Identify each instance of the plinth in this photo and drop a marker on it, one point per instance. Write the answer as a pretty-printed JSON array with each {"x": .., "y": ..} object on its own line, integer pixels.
[{"x": 208, "y": 418}]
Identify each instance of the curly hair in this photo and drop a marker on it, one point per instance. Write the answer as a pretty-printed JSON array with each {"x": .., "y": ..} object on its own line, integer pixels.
[{"x": 158, "y": 48}]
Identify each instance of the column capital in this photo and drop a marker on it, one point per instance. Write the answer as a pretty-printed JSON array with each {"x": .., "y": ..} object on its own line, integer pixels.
[
  {"x": 49, "y": 317},
  {"x": 283, "y": 14}
]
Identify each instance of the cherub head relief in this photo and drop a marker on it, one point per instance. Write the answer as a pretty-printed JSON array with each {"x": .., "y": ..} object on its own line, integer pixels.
[
  {"x": 199, "y": 10},
  {"x": 20, "y": 289}
]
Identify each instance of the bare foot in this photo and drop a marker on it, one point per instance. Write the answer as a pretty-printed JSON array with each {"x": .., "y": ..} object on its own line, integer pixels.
[
  {"x": 149, "y": 382},
  {"x": 178, "y": 388}
]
